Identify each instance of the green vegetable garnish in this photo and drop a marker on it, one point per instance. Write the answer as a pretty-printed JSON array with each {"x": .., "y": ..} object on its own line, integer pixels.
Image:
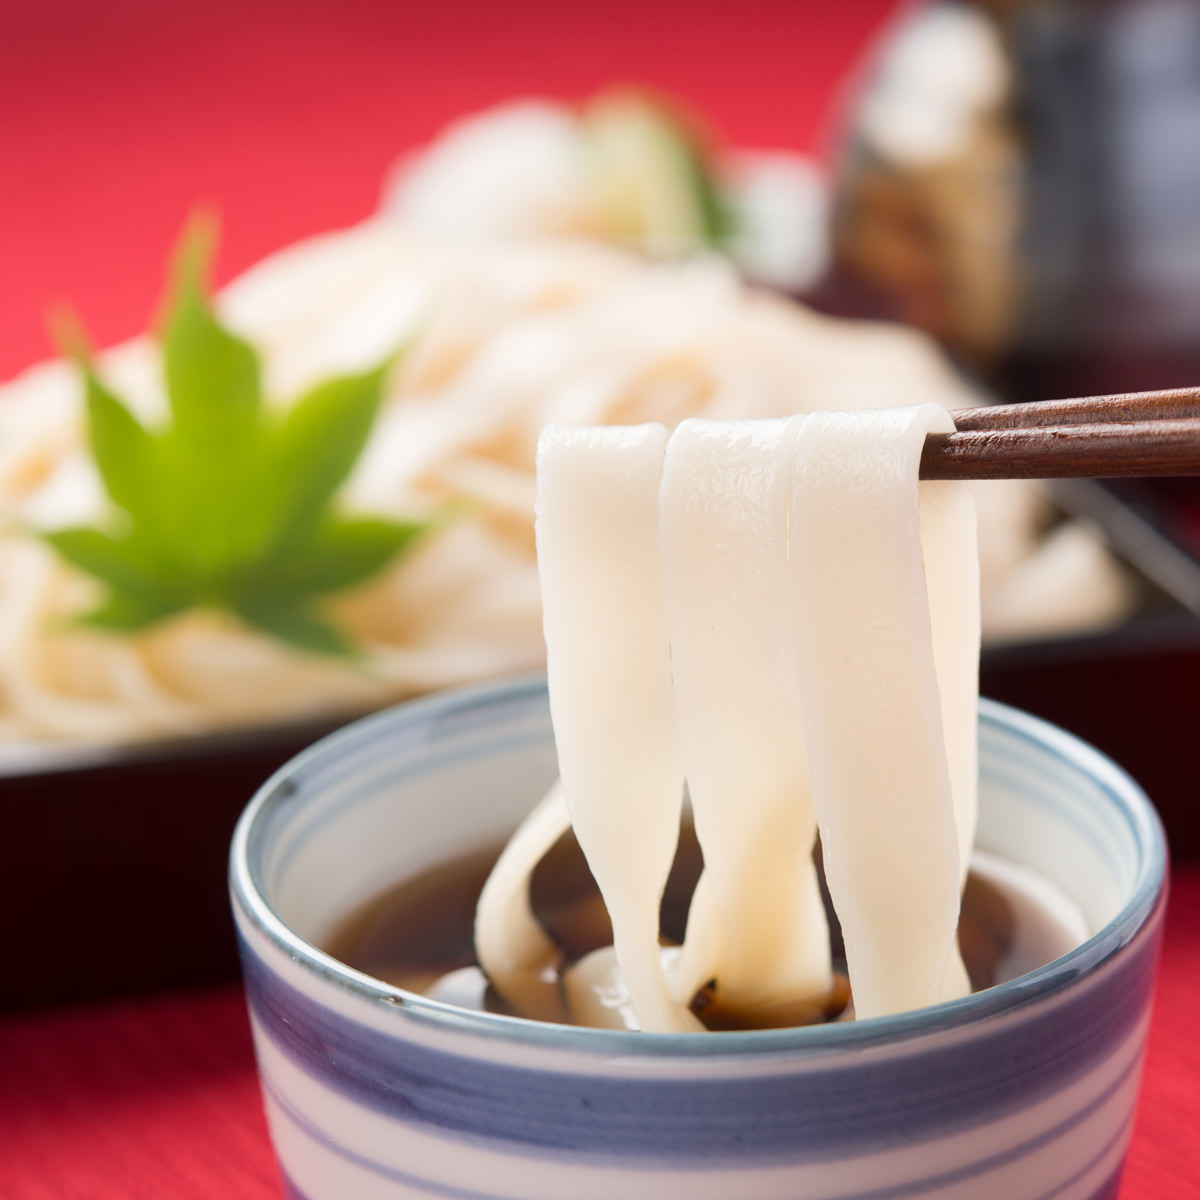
[
  {"x": 229, "y": 506},
  {"x": 719, "y": 219},
  {"x": 654, "y": 165}
]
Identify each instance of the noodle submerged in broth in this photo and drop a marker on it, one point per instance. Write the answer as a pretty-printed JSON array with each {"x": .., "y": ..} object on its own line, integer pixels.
[{"x": 419, "y": 935}]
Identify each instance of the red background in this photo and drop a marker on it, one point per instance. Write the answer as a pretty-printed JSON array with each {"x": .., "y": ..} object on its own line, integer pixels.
[
  {"x": 116, "y": 118},
  {"x": 114, "y": 121}
]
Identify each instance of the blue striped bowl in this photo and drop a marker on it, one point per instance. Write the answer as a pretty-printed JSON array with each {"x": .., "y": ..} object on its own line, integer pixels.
[{"x": 1024, "y": 1090}]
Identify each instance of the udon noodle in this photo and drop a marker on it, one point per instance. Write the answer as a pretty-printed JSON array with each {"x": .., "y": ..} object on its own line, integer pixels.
[
  {"x": 773, "y": 611},
  {"x": 505, "y": 339}
]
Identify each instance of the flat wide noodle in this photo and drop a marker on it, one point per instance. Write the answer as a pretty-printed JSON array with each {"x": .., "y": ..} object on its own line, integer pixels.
[
  {"x": 780, "y": 608},
  {"x": 510, "y": 943},
  {"x": 609, "y": 673},
  {"x": 758, "y": 925},
  {"x": 888, "y": 793}
]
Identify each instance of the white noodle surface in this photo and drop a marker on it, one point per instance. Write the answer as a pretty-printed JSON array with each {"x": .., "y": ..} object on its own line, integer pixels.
[
  {"x": 779, "y": 611},
  {"x": 890, "y": 779},
  {"x": 609, "y": 673},
  {"x": 724, "y": 535},
  {"x": 511, "y": 945}
]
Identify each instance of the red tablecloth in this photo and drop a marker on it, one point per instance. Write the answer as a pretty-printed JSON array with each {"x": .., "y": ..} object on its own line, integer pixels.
[{"x": 114, "y": 120}]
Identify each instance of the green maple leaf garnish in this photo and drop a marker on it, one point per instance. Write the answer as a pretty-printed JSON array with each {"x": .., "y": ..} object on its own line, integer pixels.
[{"x": 229, "y": 505}]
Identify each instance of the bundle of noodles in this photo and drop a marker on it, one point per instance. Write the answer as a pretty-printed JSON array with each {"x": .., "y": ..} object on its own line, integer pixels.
[{"x": 506, "y": 338}]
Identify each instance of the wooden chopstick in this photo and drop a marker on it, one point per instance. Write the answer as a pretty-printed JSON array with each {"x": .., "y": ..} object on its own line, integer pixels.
[
  {"x": 1176, "y": 404},
  {"x": 1133, "y": 434}
]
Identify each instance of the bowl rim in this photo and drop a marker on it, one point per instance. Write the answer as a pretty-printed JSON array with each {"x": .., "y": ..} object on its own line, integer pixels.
[{"x": 1147, "y": 892}]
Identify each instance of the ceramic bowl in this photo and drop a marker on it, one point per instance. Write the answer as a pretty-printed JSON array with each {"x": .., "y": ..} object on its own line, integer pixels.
[{"x": 1026, "y": 1089}]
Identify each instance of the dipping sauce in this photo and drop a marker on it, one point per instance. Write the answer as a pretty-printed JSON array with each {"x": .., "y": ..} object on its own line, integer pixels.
[{"x": 422, "y": 930}]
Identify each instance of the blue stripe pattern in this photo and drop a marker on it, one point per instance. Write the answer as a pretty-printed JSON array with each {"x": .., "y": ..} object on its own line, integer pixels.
[
  {"x": 912, "y": 1190},
  {"x": 846, "y": 1104}
]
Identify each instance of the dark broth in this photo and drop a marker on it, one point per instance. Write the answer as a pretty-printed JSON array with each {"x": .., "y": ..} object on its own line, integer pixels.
[{"x": 422, "y": 929}]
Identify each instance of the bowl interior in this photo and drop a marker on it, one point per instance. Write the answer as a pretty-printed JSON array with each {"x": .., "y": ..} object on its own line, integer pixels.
[
  {"x": 395, "y": 794},
  {"x": 1050, "y": 803},
  {"x": 427, "y": 782}
]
